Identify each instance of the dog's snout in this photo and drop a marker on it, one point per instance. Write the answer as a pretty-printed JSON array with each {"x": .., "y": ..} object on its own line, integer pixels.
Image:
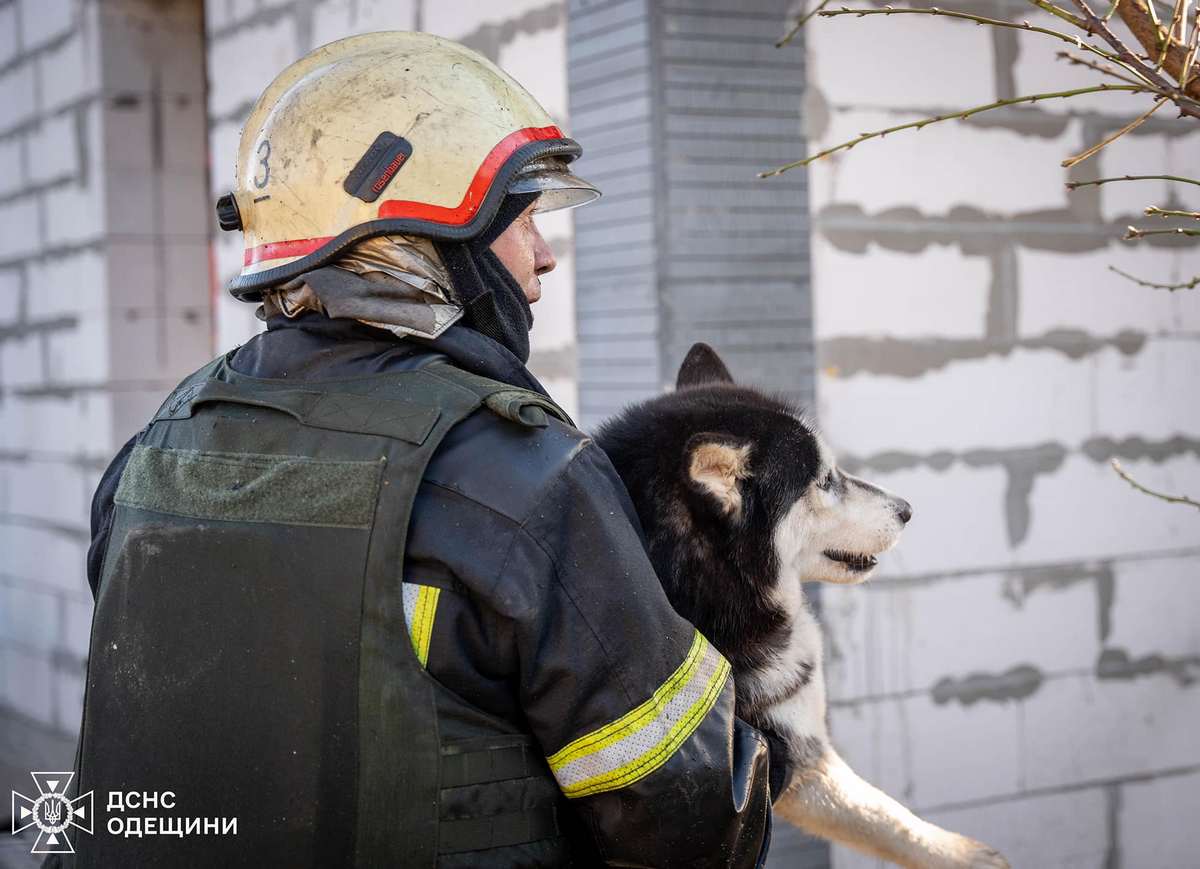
[{"x": 903, "y": 511}]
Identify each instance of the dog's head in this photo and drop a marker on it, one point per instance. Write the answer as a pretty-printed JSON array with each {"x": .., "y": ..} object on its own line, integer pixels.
[{"x": 749, "y": 473}]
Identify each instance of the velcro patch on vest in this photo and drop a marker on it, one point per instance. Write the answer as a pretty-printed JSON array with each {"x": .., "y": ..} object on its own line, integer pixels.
[
  {"x": 234, "y": 487},
  {"x": 375, "y": 169}
]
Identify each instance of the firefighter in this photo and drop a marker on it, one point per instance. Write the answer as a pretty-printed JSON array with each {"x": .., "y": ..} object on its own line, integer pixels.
[{"x": 360, "y": 583}]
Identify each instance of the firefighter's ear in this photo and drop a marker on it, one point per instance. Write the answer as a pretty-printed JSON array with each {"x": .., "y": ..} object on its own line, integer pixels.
[
  {"x": 716, "y": 466},
  {"x": 702, "y": 366}
]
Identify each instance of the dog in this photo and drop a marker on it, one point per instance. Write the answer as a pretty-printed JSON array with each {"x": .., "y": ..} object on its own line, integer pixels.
[{"x": 741, "y": 501}]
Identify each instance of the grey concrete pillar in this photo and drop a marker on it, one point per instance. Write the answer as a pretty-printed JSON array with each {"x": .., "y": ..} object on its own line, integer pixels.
[{"x": 678, "y": 107}]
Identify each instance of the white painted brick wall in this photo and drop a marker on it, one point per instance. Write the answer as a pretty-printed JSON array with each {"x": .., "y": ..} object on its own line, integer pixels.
[
  {"x": 74, "y": 214},
  {"x": 891, "y": 74},
  {"x": 8, "y": 32},
  {"x": 28, "y": 617},
  {"x": 1088, "y": 730},
  {"x": 18, "y": 228},
  {"x": 1084, "y": 511},
  {"x": 906, "y": 638},
  {"x": 257, "y": 53},
  {"x": 337, "y": 19},
  {"x": 875, "y": 295},
  {"x": 79, "y": 425},
  {"x": 27, "y": 683},
  {"x": 10, "y": 158},
  {"x": 69, "y": 73},
  {"x": 1157, "y": 604},
  {"x": 1080, "y": 291},
  {"x": 929, "y": 754},
  {"x": 944, "y": 165},
  {"x": 45, "y": 20},
  {"x": 1157, "y": 827},
  {"x": 1035, "y": 396},
  {"x": 16, "y": 95},
  {"x": 1065, "y": 830},
  {"x": 53, "y": 150},
  {"x": 10, "y": 295},
  {"x": 21, "y": 362},
  {"x": 1075, "y": 728},
  {"x": 67, "y": 285},
  {"x": 53, "y": 492}
]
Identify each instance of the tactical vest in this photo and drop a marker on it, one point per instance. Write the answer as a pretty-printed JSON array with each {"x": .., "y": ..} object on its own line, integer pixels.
[{"x": 249, "y": 651}]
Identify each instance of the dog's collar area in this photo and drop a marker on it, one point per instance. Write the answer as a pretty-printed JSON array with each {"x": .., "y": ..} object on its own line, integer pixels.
[{"x": 852, "y": 560}]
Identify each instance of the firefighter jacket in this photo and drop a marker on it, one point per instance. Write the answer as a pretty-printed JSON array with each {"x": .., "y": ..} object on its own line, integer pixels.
[{"x": 579, "y": 720}]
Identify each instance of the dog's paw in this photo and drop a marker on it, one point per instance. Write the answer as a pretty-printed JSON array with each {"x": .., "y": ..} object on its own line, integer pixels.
[
  {"x": 976, "y": 855},
  {"x": 987, "y": 858},
  {"x": 952, "y": 851}
]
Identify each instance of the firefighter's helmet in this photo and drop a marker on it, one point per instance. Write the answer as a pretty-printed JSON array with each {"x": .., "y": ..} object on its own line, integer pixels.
[{"x": 386, "y": 133}]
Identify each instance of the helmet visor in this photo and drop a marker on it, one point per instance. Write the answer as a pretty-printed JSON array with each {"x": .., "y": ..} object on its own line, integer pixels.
[{"x": 557, "y": 186}]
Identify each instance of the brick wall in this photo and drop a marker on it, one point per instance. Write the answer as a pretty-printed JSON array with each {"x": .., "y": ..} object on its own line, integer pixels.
[
  {"x": 104, "y": 303},
  {"x": 251, "y": 41},
  {"x": 1027, "y": 667}
]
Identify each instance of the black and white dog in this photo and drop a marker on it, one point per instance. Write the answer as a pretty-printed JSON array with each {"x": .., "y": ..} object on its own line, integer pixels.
[{"x": 741, "y": 502}]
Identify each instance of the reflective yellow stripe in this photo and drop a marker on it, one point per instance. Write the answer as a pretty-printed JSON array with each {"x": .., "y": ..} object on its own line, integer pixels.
[
  {"x": 420, "y": 607},
  {"x": 639, "y": 742}
]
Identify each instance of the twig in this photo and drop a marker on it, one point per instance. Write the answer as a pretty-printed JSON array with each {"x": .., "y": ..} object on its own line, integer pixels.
[
  {"x": 1177, "y": 15},
  {"x": 1074, "y": 185},
  {"x": 1132, "y": 125},
  {"x": 981, "y": 19},
  {"x": 1187, "y": 105},
  {"x": 1186, "y": 285},
  {"x": 1059, "y": 12},
  {"x": 1111, "y": 10},
  {"x": 1172, "y": 499},
  {"x": 1185, "y": 73},
  {"x": 962, "y": 115},
  {"x": 800, "y": 22},
  {"x": 1104, "y": 70},
  {"x": 1152, "y": 210},
  {"x": 1132, "y": 232}
]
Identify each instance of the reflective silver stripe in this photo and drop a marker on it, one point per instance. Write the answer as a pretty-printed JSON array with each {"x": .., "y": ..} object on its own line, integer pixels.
[{"x": 642, "y": 740}]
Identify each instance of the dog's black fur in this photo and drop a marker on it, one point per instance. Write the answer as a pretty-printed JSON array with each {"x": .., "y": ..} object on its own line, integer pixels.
[{"x": 689, "y": 535}]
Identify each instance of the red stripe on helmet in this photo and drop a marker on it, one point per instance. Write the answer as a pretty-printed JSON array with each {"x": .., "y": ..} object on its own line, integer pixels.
[
  {"x": 391, "y": 208},
  {"x": 281, "y": 249},
  {"x": 480, "y": 184}
]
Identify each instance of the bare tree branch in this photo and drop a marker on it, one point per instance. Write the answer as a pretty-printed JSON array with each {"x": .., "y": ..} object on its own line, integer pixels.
[
  {"x": 1132, "y": 232},
  {"x": 800, "y": 22},
  {"x": 1132, "y": 125},
  {"x": 1106, "y": 70},
  {"x": 961, "y": 115},
  {"x": 1152, "y": 210},
  {"x": 1075, "y": 185},
  {"x": 1186, "y": 285},
  {"x": 1173, "y": 499},
  {"x": 1142, "y": 20},
  {"x": 992, "y": 22},
  {"x": 1186, "y": 103}
]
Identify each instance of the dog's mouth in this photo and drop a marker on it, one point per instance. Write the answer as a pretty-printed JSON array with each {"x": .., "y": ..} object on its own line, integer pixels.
[{"x": 855, "y": 561}]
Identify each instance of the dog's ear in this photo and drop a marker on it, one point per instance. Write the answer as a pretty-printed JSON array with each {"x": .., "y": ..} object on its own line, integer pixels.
[
  {"x": 716, "y": 464},
  {"x": 702, "y": 365}
]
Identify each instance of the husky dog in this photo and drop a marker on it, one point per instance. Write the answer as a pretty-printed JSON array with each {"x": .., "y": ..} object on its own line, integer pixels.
[{"x": 741, "y": 502}]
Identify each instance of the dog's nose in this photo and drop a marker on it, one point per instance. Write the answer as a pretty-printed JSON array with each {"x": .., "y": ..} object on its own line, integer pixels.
[{"x": 903, "y": 511}]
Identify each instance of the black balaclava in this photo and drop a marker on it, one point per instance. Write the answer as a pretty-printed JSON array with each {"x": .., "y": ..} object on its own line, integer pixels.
[{"x": 493, "y": 302}]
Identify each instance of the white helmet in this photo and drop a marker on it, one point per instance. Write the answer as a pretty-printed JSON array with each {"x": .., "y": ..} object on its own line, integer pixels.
[{"x": 386, "y": 133}]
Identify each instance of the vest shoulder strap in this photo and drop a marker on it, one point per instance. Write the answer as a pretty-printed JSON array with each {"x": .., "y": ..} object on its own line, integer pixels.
[{"x": 518, "y": 405}]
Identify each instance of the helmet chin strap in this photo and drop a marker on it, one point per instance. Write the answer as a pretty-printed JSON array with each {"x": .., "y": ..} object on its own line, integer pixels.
[{"x": 493, "y": 302}]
